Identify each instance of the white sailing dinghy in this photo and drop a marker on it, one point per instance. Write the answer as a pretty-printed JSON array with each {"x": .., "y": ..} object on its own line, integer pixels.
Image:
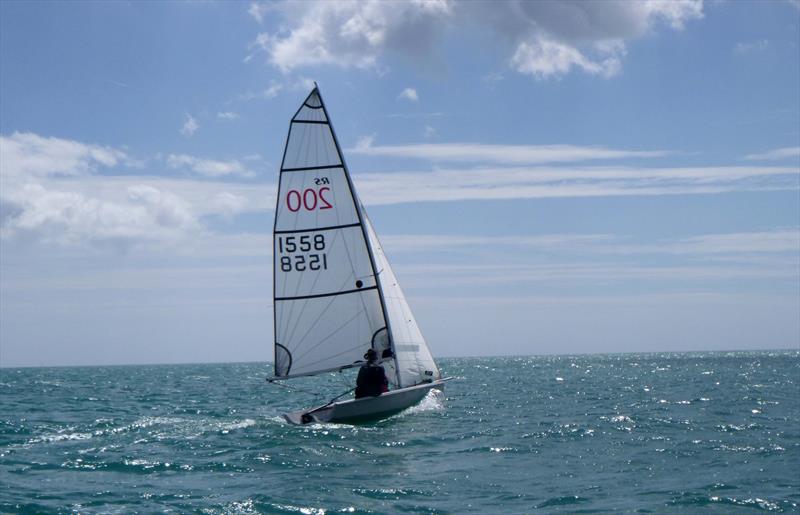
[{"x": 335, "y": 295}]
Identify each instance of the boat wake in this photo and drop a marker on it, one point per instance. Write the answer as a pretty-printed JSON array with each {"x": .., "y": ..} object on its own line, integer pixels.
[{"x": 433, "y": 401}]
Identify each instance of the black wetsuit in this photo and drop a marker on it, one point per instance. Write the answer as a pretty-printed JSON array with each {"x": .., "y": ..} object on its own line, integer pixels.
[{"x": 371, "y": 381}]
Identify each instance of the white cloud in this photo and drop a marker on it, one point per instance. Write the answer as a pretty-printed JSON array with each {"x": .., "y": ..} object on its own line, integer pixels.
[
  {"x": 409, "y": 94},
  {"x": 52, "y": 191},
  {"x": 443, "y": 185},
  {"x": 778, "y": 241},
  {"x": 28, "y": 155},
  {"x": 257, "y": 10},
  {"x": 208, "y": 167},
  {"x": 227, "y": 115},
  {"x": 353, "y": 34},
  {"x": 775, "y": 154},
  {"x": 190, "y": 126},
  {"x": 751, "y": 46},
  {"x": 548, "y": 38},
  {"x": 69, "y": 217},
  {"x": 429, "y": 131},
  {"x": 544, "y": 58},
  {"x": 270, "y": 91},
  {"x": 506, "y": 154}
]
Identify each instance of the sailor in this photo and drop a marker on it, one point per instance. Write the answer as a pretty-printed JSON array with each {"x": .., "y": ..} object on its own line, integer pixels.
[{"x": 371, "y": 380}]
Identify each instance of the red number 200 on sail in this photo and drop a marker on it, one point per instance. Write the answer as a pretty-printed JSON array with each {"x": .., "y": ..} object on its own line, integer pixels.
[{"x": 310, "y": 199}]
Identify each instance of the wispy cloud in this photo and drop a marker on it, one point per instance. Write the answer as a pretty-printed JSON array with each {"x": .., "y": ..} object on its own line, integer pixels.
[
  {"x": 748, "y": 47},
  {"x": 257, "y": 10},
  {"x": 497, "y": 183},
  {"x": 190, "y": 126},
  {"x": 269, "y": 92},
  {"x": 208, "y": 167},
  {"x": 504, "y": 154},
  {"x": 227, "y": 115},
  {"x": 409, "y": 94},
  {"x": 775, "y": 154},
  {"x": 778, "y": 241},
  {"x": 434, "y": 114}
]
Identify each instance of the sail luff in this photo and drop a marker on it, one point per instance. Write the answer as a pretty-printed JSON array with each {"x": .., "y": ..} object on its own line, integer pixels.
[
  {"x": 274, "y": 228},
  {"x": 370, "y": 250}
]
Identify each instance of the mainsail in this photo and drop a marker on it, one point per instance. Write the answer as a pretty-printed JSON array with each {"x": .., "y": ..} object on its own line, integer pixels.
[{"x": 335, "y": 295}]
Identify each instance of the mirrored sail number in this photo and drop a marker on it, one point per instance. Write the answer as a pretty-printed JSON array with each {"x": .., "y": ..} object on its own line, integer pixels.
[
  {"x": 301, "y": 257},
  {"x": 309, "y": 199}
]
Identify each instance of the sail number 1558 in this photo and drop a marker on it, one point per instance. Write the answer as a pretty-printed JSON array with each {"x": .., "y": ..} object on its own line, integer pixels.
[{"x": 297, "y": 247}]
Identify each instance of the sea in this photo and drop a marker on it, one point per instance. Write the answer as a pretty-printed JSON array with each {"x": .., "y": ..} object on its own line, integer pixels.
[{"x": 639, "y": 433}]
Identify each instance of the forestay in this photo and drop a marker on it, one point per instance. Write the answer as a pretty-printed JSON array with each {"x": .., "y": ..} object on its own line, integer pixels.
[{"x": 328, "y": 310}]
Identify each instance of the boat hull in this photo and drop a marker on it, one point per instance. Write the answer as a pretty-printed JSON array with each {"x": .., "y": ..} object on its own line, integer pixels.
[{"x": 365, "y": 409}]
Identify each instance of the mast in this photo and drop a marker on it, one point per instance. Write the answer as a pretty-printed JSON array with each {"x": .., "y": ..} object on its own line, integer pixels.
[{"x": 359, "y": 210}]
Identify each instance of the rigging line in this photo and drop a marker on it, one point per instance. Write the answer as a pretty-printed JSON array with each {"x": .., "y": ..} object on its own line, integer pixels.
[
  {"x": 359, "y": 210},
  {"x": 303, "y": 309},
  {"x": 325, "y": 309},
  {"x": 359, "y": 346},
  {"x": 295, "y": 388},
  {"x": 323, "y": 340}
]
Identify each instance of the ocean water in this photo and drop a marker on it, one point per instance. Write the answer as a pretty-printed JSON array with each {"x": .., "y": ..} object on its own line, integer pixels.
[{"x": 710, "y": 432}]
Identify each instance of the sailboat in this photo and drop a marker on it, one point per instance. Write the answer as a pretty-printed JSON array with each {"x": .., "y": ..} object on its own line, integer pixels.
[{"x": 335, "y": 295}]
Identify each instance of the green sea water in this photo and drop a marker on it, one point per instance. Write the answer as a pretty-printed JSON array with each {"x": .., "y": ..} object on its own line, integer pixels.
[{"x": 697, "y": 432}]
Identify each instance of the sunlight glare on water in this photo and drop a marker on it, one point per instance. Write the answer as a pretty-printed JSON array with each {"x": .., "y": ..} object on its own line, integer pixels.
[{"x": 710, "y": 431}]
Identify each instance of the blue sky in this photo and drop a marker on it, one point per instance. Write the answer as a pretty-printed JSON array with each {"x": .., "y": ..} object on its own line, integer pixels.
[{"x": 545, "y": 177}]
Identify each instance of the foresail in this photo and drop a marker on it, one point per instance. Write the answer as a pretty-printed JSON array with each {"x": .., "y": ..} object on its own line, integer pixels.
[
  {"x": 328, "y": 310},
  {"x": 414, "y": 361}
]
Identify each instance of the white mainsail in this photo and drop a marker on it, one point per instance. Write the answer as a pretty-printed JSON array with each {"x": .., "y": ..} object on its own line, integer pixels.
[{"x": 334, "y": 291}]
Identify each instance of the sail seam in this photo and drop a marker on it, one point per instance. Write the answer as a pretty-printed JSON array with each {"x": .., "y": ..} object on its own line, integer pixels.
[
  {"x": 329, "y": 228},
  {"x": 318, "y": 122},
  {"x": 301, "y": 297}
]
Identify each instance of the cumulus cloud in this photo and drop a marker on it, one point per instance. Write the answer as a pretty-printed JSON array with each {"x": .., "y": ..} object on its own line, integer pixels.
[
  {"x": 353, "y": 34},
  {"x": 409, "y": 94},
  {"x": 53, "y": 190},
  {"x": 190, "y": 126},
  {"x": 543, "y": 58},
  {"x": 208, "y": 167},
  {"x": 28, "y": 155},
  {"x": 546, "y": 39},
  {"x": 68, "y": 217}
]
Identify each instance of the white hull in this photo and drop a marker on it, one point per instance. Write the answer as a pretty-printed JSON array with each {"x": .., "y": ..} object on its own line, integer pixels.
[{"x": 367, "y": 408}]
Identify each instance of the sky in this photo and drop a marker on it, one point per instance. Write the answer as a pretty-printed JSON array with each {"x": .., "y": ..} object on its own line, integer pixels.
[{"x": 545, "y": 177}]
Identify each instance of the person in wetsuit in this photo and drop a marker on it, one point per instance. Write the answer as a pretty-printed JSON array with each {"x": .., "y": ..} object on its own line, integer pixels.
[{"x": 371, "y": 380}]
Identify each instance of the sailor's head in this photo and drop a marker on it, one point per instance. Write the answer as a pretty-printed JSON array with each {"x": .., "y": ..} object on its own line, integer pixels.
[{"x": 371, "y": 356}]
